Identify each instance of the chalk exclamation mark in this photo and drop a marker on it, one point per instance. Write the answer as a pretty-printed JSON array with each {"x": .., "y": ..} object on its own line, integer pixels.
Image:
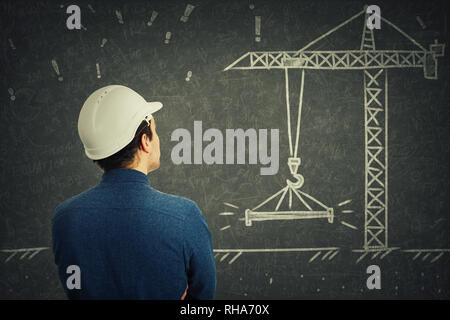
[
  {"x": 188, "y": 76},
  {"x": 56, "y": 68},
  {"x": 119, "y": 16},
  {"x": 104, "y": 41},
  {"x": 258, "y": 28},
  {"x": 11, "y": 94},
  {"x": 98, "y": 70},
  {"x": 11, "y": 44},
  {"x": 92, "y": 9},
  {"x": 168, "y": 36},
  {"x": 187, "y": 12},
  {"x": 420, "y": 21},
  {"x": 152, "y": 18}
]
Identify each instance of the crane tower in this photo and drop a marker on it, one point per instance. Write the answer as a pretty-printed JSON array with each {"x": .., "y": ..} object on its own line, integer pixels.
[{"x": 374, "y": 64}]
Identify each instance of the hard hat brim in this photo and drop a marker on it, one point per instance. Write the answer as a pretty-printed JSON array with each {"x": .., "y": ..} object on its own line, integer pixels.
[{"x": 154, "y": 106}]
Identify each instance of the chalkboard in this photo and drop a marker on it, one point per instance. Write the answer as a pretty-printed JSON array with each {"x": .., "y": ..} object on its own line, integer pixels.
[{"x": 366, "y": 182}]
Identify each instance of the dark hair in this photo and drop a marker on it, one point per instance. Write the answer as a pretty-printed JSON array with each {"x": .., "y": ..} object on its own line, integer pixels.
[{"x": 125, "y": 156}]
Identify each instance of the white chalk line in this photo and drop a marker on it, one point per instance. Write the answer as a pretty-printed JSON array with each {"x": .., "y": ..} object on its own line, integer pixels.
[
  {"x": 30, "y": 252},
  {"x": 349, "y": 225},
  {"x": 231, "y": 205},
  {"x": 226, "y": 214},
  {"x": 343, "y": 203}
]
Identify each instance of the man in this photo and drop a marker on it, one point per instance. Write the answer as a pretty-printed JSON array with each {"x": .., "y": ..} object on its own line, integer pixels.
[{"x": 129, "y": 240}]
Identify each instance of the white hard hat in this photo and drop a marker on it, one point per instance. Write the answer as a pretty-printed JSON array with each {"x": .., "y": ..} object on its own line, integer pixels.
[{"x": 109, "y": 119}]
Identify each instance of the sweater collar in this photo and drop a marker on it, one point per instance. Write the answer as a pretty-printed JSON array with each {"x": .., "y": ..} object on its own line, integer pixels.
[{"x": 124, "y": 175}]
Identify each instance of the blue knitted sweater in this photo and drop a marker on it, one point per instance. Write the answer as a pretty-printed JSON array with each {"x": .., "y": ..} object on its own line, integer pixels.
[{"x": 131, "y": 241}]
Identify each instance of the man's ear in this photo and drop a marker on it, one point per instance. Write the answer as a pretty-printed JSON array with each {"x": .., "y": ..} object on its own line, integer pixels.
[{"x": 145, "y": 143}]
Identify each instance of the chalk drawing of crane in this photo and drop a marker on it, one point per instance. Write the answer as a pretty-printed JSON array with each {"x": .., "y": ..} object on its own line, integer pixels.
[{"x": 375, "y": 65}]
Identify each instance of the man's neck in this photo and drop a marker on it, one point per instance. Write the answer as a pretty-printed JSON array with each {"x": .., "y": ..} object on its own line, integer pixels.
[{"x": 139, "y": 168}]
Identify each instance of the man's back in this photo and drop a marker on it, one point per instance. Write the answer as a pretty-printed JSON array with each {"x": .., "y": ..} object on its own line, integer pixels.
[{"x": 133, "y": 242}]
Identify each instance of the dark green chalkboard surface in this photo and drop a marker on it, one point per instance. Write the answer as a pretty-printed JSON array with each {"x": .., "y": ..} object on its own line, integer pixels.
[{"x": 372, "y": 186}]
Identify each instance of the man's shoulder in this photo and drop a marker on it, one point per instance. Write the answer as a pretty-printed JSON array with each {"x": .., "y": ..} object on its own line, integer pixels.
[
  {"x": 175, "y": 205},
  {"x": 71, "y": 202},
  {"x": 155, "y": 201}
]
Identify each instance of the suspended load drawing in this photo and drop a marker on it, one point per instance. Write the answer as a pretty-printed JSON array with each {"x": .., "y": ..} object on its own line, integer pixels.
[
  {"x": 374, "y": 65},
  {"x": 300, "y": 204}
]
